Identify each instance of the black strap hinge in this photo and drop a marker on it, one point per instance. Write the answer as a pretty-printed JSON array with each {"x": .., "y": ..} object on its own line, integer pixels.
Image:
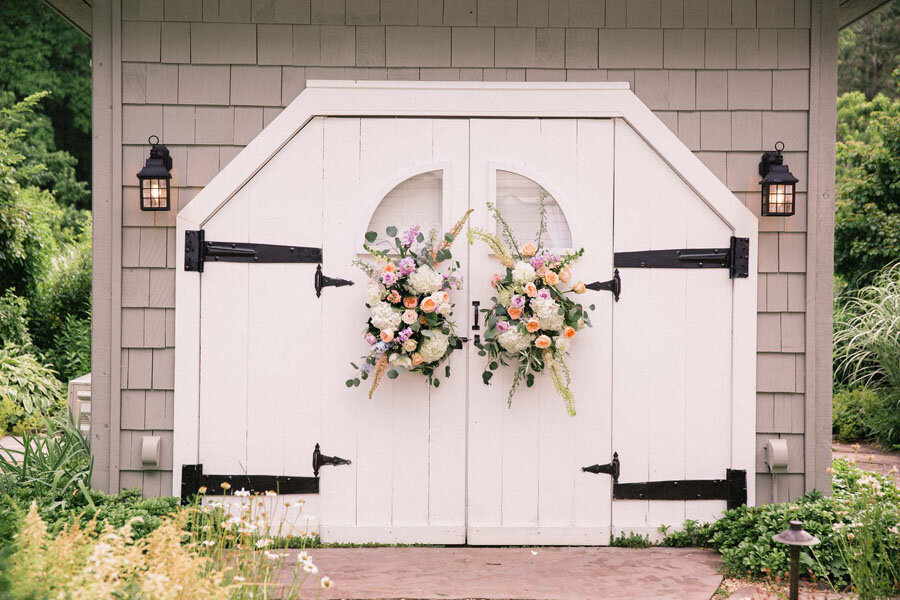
[
  {"x": 197, "y": 251},
  {"x": 735, "y": 258},
  {"x": 194, "y": 481},
  {"x": 614, "y": 285},
  {"x": 732, "y": 489},
  {"x": 611, "y": 468}
]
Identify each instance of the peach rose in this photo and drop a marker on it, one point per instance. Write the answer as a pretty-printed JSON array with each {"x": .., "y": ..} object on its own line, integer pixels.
[
  {"x": 532, "y": 325},
  {"x": 579, "y": 288},
  {"x": 569, "y": 332},
  {"x": 531, "y": 289},
  {"x": 542, "y": 271},
  {"x": 417, "y": 358},
  {"x": 410, "y": 345},
  {"x": 389, "y": 268},
  {"x": 565, "y": 275},
  {"x": 514, "y": 313},
  {"x": 423, "y": 320},
  {"x": 529, "y": 249},
  {"x": 543, "y": 341},
  {"x": 445, "y": 298},
  {"x": 387, "y": 335},
  {"x": 394, "y": 297},
  {"x": 495, "y": 279},
  {"x": 428, "y": 305},
  {"x": 551, "y": 278},
  {"x": 409, "y": 316},
  {"x": 410, "y": 302}
]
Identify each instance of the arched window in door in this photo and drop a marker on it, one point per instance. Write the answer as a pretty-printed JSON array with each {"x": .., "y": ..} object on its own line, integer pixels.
[
  {"x": 414, "y": 201},
  {"x": 519, "y": 201}
]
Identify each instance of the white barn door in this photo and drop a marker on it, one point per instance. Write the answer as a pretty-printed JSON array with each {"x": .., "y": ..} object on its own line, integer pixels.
[
  {"x": 525, "y": 484},
  {"x": 407, "y": 444}
]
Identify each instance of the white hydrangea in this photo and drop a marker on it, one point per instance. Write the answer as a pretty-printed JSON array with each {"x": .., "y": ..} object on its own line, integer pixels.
[
  {"x": 513, "y": 341},
  {"x": 445, "y": 309},
  {"x": 425, "y": 280},
  {"x": 384, "y": 316},
  {"x": 523, "y": 272},
  {"x": 504, "y": 297},
  {"x": 547, "y": 312},
  {"x": 434, "y": 346},
  {"x": 562, "y": 343},
  {"x": 374, "y": 293}
]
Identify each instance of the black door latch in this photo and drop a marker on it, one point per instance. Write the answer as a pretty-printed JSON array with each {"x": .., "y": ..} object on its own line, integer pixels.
[{"x": 320, "y": 460}]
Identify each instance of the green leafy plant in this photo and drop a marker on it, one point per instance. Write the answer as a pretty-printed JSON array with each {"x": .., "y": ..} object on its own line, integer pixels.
[
  {"x": 631, "y": 540},
  {"x": 54, "y": 465},
  {"x": 71, "y": 351},
  {"x": 26, "y": 382}
]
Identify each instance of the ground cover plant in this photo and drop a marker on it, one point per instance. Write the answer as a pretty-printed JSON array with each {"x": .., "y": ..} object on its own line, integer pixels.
[{"x": 859, "y": 529}]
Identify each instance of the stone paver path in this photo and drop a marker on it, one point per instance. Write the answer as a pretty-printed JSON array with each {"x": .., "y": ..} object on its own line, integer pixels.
[
  {"x": 869, "y": 458},
  {"x": 517, "y": 573}
]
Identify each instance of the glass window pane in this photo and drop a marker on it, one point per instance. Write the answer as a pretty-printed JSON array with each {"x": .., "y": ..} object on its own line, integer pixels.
[
  {"x": 518, "y": 199},
  {"x": 415, "y": 201}
]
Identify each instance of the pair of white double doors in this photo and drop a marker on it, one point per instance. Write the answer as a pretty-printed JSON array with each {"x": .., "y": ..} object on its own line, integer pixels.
[{"x": 452, "y": 464}]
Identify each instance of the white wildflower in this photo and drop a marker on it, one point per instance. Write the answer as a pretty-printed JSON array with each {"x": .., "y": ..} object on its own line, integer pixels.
[
  {"x": 308, "y": 567},
  {"x": 208, "y": 543},
  {"x": 304, "y": 556},
  {"x": 513, "y": 341},
  {"x": 325, "y": 582},
  {"x": 384, "y": 316},
  {"x": 263, "y": 542},
  {"x": 425, "y": 280},
  {"x": 434, "y": 346},
  {"x": 523, "y": 272},
  {"x": 241, "y": 493},
  {"x": 239, "y": 579}
]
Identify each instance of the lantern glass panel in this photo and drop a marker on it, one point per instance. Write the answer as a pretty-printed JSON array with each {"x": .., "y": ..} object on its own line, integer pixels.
[
  {"x": 155, "y": 193},
  {"x": 778, "y": 199}
]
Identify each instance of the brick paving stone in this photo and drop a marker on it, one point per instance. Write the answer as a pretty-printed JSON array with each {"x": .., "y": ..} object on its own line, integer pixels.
[{"x": 515, "y": 573}]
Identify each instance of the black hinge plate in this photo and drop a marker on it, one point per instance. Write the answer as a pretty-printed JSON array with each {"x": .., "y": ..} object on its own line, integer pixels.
[
  {"x": 732, "y": 489},
  {"x": 320, "y": 460},
  {"x": 614, "y": 285},
  {"x": 193, "y": 478},
  {"x": 197, "y": 251},
  {"x": 735, "y": 258}
]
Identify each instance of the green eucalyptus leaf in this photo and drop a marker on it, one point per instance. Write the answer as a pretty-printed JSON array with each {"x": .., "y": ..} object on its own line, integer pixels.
[
  {"x": 371, "y": 236},
  {"x": 349, "y": 383},
  {"x": 486, "y": 377},
  {"x": 392, "y": 374},
  {"x": 391, "y": 231}
]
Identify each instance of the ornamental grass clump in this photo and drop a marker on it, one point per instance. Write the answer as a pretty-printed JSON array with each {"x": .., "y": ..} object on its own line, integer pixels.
[{"x": 229, "y": 548}]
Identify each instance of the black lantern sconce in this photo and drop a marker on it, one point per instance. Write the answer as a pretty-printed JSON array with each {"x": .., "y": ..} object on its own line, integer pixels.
[
  {"x": 778, "y": 185},
  {"x": 155, "y": 177}
]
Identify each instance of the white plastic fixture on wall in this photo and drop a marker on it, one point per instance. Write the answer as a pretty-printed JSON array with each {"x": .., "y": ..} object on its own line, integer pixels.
[{"x": 457, "y": 99}]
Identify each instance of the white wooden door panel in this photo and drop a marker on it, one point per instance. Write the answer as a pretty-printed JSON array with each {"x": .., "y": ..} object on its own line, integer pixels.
[
  {"x": 525, "y": 483},
  {"x": 407, "y": 444},
  {"x": 671, "y": 327}
]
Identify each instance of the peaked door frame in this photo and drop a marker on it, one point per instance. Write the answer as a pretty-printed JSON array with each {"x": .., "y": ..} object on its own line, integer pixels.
[{"x": 466, "y": 99}]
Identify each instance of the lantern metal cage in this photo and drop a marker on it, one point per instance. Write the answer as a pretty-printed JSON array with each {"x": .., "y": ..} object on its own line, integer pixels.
[
  {"x": 779, "y": 186},
  {"x": 155, "y": 178}
]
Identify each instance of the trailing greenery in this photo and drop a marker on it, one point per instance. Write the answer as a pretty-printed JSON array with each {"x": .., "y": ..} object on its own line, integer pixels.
[{"x": 857, "y": 526}]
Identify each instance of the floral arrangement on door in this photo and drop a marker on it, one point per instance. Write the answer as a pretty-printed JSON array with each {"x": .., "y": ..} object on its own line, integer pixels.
[
  {"x": 532, "y": 320},
  {"x": 409, "y": 326}
]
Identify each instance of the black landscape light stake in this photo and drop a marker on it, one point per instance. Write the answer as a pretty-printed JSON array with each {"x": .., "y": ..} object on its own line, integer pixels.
[
  {"x": 778, "y": 185},
  {"x": 795, "y": 538},
  {"x": 155, "y": 177}
]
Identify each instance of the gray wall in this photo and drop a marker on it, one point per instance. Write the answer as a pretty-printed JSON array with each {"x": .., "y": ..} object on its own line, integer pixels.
[{"x": 729, "y": 77}]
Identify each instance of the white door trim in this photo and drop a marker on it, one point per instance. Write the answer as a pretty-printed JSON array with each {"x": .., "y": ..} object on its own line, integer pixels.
[{"x": 474, "y": 99}]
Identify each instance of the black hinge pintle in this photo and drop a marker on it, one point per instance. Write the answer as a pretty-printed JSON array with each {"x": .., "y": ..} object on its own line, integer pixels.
[
  {"x": 611, "y": 468},
  {"x": 614, "y": 285},
  {"x": 320, "y": 460},
  {"x": 322, "y": 281}
]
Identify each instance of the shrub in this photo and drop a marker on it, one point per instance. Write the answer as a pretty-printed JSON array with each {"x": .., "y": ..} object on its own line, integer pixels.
[
  {"x": 867, "y": 415},
  {"x": 71, "y": 351},
  {"x": 27, "y": 390},
  {"x": 631, "y": 540},
  {"x": 13, "y": 320},
  {"x": 743, "y": 536}
]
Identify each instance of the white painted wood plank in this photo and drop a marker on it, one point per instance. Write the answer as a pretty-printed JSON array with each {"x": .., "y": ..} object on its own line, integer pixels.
[
  {"x": 343, "y": 312},
  {"x": 441, "y": 534},
  {"x": 223, "y": 355},
  {"x": 539, "y": 536}
]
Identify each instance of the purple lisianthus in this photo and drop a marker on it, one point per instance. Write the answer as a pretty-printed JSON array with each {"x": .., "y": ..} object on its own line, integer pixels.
[
  {"x": 389, "y": 278},
  {"x": 537, "y": 261},
  {"x": 502, "y": 326},
  {"x": 517, "y": 301},
  {"x": 404, "y": 334},
  {"x": 371, "y": 339},
  {"x": 406, "y": 265},
  {"x": 409, "y": 236},
  {"x": 543, "y": 294}
]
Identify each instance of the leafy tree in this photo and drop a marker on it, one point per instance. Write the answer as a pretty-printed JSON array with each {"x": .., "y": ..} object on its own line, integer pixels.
[
  {"x": 869, "y": 51},
  {"x": 40, "y": 51},
  {"x": 867, "y": 217}
]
